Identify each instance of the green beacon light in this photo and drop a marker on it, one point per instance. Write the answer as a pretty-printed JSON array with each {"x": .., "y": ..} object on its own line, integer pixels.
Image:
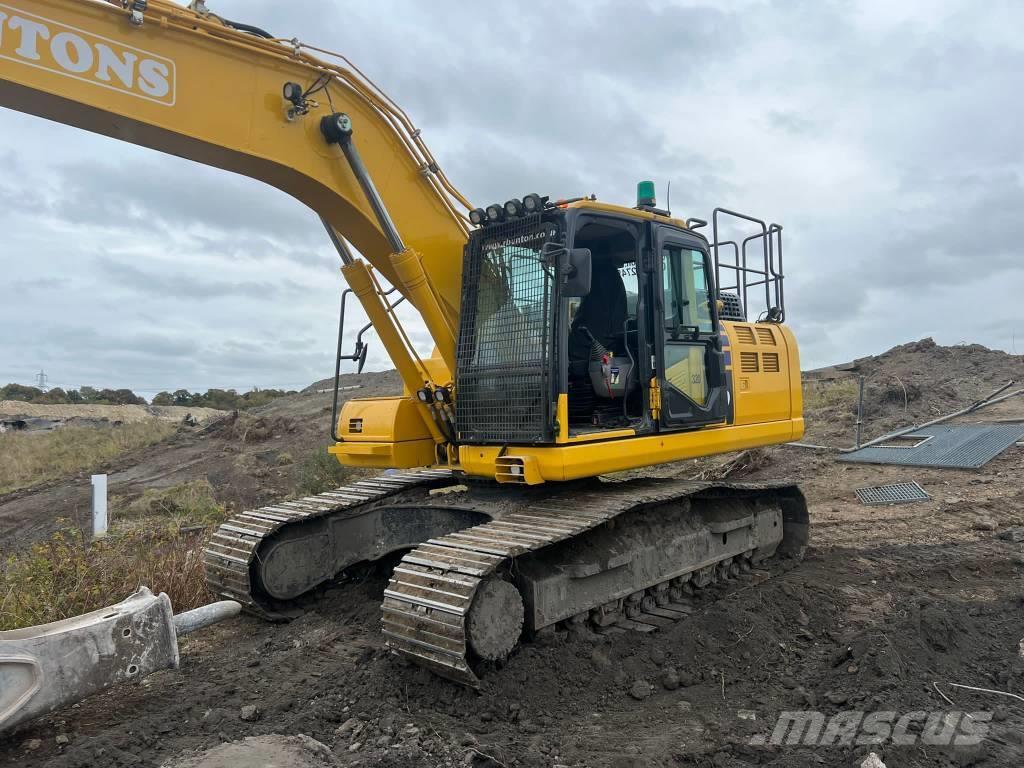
[{"x": 645, "y": 194}]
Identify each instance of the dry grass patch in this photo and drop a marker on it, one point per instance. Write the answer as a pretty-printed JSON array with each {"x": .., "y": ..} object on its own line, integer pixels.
[
  {"x": 66, "y": 576},
  {"x": 28, "y": 459},
  {"x": 828, "y": 394},
  {"x": 155, "y": 541}
]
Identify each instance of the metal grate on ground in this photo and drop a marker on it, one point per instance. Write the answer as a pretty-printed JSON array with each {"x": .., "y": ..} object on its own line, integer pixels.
[
  {"x": 894, "y": 493},
  {"x": 967, "y": 446}
]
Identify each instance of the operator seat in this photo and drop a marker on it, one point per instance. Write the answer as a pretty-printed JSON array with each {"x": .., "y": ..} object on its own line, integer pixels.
[{"x": 602, "y": 312}]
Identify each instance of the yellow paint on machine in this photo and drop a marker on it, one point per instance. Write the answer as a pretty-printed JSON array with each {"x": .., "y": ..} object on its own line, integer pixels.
[
  {"x": 571, "y": 462},
  {"x": 765, "y": 373},
  {"x": 68, "y": 51},
  {"x": 383, "y": 432},
  {"x": 192, "y": 87},
  {"x": 767, "y": 403},
  {"x": 768, "y": 410}
]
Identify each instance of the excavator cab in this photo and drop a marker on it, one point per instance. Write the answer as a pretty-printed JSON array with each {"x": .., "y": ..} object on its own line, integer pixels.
[{"x": 637, "y": 350}]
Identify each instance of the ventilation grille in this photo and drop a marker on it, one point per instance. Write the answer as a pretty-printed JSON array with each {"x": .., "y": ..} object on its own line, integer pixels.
[
  {"x": 765, "y": 335},
  {"x": 504, "y": 364},
  {"x": 745, "y": 334},
  {"x": 748, "y": 362},
  {"x": 355, "y": 426},
  {"x": 770, "y": 361},
  {"x": 732, "y": 307}
]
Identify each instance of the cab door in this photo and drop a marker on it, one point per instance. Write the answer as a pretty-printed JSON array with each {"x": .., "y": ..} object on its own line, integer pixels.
[{"x": 688, "y": 348}]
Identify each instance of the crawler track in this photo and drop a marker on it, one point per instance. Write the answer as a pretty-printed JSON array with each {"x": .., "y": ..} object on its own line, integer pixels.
[
  {"x": 430, "y": 597},
  {"x": 488, "y": 563},
  {"x": 231, "y": 555}
]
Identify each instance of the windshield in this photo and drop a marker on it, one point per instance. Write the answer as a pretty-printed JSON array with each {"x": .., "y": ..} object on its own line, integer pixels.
[
  {"x": 513, "y": 301},
  {"x": 503, "y": 376}
]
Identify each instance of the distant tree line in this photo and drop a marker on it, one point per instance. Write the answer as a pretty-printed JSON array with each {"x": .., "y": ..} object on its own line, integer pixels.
[
  {"x": 222, "y": 399},
  {"x": 58, "y": 396}
]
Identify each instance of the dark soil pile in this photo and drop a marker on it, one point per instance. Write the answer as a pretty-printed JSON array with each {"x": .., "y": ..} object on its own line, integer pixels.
[{"x": 909, "y": 384}]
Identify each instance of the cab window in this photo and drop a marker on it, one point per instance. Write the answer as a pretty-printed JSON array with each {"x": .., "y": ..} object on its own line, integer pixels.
[{"x": 685, "y": 285}]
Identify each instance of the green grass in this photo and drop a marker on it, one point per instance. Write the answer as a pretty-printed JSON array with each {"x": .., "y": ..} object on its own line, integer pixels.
[
  {"x": 28, "y": 459},
  {"x": 187, "y": 505},
  {"x": 319, "y": 471}
]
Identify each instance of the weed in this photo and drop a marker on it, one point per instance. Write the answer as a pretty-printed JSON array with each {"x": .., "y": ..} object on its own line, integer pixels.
[
  {"x": 155, "y": 541},
  {"x": 191, "y": 504},
  {"x": 828, "y": 394},
  {"x": 65, "y": 575},
  {"x": 319, "y": 471}
]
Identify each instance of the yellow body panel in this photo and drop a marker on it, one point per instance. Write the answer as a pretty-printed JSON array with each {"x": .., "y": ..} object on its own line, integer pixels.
[
  {"x": 765, "y": 366},
  {"x": 384, "y": 432},
  {"x": 569, "y": 462},
  {"x": 767, "y": 410}
]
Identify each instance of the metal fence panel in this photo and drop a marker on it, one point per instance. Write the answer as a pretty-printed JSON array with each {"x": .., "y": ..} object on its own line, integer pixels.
[{"x": 967, "y": 446}]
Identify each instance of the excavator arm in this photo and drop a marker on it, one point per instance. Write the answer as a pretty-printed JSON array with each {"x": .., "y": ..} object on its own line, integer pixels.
[{"x": 186, "y": 82}]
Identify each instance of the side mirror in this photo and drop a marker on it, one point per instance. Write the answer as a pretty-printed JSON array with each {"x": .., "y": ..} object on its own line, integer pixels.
[{"x": 576, "y": 273}]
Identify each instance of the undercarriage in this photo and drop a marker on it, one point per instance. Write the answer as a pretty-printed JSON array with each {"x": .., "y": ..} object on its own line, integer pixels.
[{"x": 486, "y": 566}]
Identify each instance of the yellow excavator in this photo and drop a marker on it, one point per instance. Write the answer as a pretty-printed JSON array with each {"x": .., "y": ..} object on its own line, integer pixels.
[{"x": 573, "y": 339}]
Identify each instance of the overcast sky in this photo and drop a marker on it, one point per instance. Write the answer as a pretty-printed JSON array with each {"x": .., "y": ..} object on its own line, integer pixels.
[{"x": 884, "y": 136}]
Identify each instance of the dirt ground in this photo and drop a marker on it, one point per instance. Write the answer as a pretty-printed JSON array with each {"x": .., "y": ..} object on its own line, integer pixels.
[
  {"x": 249, "y": 458},
  {"x": 891, "y": 606}
]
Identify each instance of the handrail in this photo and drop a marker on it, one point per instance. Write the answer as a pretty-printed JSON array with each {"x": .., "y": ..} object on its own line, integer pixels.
[{"x": 770, "y": 236}]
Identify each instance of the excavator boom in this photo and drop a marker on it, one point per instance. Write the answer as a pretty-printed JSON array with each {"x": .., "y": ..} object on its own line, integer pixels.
[{"x": 192, "y": 86}]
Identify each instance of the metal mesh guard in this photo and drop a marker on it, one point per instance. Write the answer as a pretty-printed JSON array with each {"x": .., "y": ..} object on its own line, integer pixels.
[
  {"x": 504, "y": 364},
  {"x": 732, "y": 308},
  {"x": 895, "y": 493}
]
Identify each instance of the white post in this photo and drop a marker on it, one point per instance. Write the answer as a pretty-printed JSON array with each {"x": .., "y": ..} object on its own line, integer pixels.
[{"x": 99, "y": 506}]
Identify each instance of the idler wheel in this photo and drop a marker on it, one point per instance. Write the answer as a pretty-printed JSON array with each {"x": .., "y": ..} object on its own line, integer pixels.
[{"x": 495, "y": 619}]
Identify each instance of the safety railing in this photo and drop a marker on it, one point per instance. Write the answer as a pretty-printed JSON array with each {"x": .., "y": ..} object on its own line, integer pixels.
[{"x": 750, "y": 268}]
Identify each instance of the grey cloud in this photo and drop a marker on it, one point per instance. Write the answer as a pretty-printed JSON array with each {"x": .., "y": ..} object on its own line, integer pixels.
[
  {"x": 886, "y": 143},
  {"x": 791, "y": 122},
  {"x": 182, "y": 198},
  {"x": 191, "y": 287},
  {"x": 38, "y": 285}
]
